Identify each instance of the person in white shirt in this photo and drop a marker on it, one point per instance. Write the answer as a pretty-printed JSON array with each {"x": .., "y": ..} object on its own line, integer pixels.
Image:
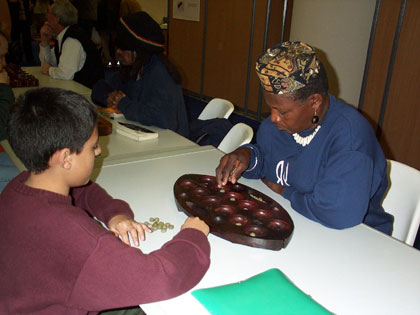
[{"x": 74, "y": 56}]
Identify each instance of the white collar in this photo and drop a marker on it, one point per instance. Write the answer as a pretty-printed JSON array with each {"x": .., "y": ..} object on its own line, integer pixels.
[{"x": 60, "y": 36}]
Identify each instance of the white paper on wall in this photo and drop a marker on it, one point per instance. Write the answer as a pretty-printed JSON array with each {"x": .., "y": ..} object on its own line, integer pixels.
[{"x": 186, "y": 10}]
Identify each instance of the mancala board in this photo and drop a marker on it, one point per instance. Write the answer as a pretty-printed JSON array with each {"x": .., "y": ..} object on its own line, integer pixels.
[{"x": 235, "y": 212}]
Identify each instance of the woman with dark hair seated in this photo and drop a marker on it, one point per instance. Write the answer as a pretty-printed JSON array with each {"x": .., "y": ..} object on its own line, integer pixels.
[{"x": 147, "y": 87}]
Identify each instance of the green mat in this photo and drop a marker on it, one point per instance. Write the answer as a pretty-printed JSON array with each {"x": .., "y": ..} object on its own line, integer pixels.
[{"x": 268, "y": 293}]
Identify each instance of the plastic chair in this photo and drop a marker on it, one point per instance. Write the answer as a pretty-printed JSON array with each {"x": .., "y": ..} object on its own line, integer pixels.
[
  {"x": 238, "y": 135},
  {"x": 217, "y": 108},
  {"x": 402, "y": 200}
]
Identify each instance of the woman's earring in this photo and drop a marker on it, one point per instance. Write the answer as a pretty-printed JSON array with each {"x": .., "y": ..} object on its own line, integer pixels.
[{"x": 315, "y": 118}]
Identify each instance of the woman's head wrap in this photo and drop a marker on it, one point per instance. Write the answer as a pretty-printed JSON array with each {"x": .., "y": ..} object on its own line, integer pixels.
[{"x": 287, "y": 67}]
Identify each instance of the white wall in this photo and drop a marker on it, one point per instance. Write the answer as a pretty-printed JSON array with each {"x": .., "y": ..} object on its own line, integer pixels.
[
  {"x": 157, "y": 9},
  {"x": 340, "y": 29}
]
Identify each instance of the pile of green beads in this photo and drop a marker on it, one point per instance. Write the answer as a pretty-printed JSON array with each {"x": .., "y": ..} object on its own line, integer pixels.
[{"x": 155, "y": 224}]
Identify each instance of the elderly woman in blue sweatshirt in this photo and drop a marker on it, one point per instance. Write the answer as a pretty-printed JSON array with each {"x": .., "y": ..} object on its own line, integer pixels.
[
  {"x": 314, "y": 150},
  {"x": 147, "y": 87}
]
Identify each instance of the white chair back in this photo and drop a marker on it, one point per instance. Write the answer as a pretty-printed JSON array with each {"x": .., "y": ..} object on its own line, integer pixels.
[
  {"x": 402, "y": 200},
  {"x": 217, "y": 108},
  {"x": 238, "y": 135}
]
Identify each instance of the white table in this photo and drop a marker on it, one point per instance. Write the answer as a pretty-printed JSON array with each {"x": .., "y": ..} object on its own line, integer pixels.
[
  {"x": 47, "y": 81},
  {"x": 117, "y": 148},
  {"x": 353, "y": 271},
  {"x": 120, "y": 149}
]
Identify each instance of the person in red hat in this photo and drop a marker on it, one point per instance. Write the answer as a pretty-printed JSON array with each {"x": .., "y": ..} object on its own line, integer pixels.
[{"x": 147, "y": 87}]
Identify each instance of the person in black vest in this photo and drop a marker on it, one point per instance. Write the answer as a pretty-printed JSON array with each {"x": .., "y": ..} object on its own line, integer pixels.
[{"x": 74, "y": 56}]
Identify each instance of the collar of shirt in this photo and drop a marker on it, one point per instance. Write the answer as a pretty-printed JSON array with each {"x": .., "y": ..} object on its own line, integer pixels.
[{"x": 60, "y": 37}]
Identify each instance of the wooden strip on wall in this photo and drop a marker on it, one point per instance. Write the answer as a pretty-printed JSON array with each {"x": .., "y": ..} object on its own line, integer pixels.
[
  {"x": 185, "y": 48},
  {"x": 228, "y": 29},
  {"x": 227, "y": 47},
  {"x": 381, "y": 53},
  {"x": 401, "y": 128}
]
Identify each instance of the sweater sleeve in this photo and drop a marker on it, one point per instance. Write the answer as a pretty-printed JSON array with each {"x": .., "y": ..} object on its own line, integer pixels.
[
  {"x": 102, "y": 88},
  {"x": 6, "y": 98},
  {"x": 152, "y": 107},
  {"x": 341, "y": 196},
  {"x": 95, "y": 200},
  {"x": 152, "y": 99},
  {"x": 116, "y": 275}
]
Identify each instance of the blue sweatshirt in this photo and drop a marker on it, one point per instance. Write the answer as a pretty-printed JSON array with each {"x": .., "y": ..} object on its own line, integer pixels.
[
  {"x": 338, "y": 180},
  {"x": 154, "y": 99}
]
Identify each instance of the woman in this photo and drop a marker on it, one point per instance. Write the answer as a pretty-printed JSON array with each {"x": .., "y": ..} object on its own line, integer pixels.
[
  {"x": 147, "y": 87},
  {"x": 314, "y": 150}
]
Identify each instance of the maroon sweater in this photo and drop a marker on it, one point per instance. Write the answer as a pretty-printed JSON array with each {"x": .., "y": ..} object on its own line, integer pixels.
[{"x": 55, "y": 259}]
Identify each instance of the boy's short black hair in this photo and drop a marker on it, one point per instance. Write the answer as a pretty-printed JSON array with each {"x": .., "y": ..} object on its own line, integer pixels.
[{"x": 46, "y": 120}]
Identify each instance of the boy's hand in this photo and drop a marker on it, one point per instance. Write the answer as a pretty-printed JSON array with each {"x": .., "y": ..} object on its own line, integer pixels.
[
  {"x": 196, "y": 223},
  {"x": 121, "y": 225}
]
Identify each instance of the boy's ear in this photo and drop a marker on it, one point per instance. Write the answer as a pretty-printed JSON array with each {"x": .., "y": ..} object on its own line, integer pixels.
[{"x": 63, "y": 158}]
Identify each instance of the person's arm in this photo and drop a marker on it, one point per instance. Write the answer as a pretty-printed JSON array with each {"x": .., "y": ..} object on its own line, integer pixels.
[
  {"x": 46, "y": 54},
  {"x": 6, "y": 99},
  {"x": 341, "y": 196},
  {"x": 154, "y": 107},
  {"x": 116, "y": 275},
  {"x": 5, "y": 20},
  {"x": 102, "y": 88},
  {"x": 72, "y": 55},
  {"x": 152, "y": 100},
  {"x": 95, "y": 200}
]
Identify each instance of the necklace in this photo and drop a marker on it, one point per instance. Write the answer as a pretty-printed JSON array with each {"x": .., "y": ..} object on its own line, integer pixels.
[{"x": 303, "y": 141}]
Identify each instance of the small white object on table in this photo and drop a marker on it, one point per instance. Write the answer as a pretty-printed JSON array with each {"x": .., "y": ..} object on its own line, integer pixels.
[
  {"x": 353, "y": 271},
  {"x": 117, "y": 148}
]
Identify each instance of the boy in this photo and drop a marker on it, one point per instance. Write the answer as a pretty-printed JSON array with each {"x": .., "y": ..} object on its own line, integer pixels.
[{"x": 59, "y": 260}]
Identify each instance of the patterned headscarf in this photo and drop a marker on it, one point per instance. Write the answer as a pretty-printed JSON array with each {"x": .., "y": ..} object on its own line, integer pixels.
[{"x": 287, "y": 67}]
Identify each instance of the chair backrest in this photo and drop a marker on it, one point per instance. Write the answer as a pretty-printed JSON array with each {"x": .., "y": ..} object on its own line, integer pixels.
[
  {"x": 402, "y": 200},
  {"x": 217, "y": 108},
  {"x": 238, "y": 135}
]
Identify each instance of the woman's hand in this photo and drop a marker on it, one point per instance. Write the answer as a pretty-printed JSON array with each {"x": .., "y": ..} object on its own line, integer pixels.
[
  {"x": 232, "y": 166},
  {"x": 121, "y": 225}
]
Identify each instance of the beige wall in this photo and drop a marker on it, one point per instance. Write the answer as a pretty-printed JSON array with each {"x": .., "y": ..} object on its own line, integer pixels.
[
  {"x": 340, "y": 29},
  {"x": 157, "y": 9}
]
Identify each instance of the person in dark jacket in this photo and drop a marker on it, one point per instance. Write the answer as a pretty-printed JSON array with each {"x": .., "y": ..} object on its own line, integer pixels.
[
  {"x": 147, "y": 87},
  {"x": 7, "y": 168},
  {"x": 74, "y": 56}
]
